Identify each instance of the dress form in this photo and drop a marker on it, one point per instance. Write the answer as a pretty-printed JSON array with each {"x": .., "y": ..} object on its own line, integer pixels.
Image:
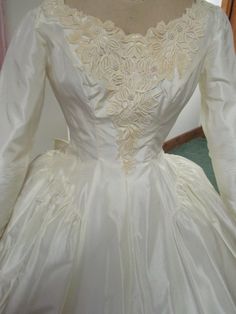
[{"x": 133, "y": 16}]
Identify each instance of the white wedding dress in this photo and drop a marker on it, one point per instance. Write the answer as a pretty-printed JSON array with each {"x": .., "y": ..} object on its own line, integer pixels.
[{"x": 109, "y": 223}]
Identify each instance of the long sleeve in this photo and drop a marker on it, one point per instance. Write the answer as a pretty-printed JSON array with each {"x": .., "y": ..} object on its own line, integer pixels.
[
  {"x": 218, "y": 110},
  {"x": 22, "y": 85}
]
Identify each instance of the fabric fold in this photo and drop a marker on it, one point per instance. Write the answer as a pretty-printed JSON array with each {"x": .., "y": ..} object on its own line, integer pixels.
[
  {"x": 22, "y": 85},
  {"x": 218, "y": 111}
]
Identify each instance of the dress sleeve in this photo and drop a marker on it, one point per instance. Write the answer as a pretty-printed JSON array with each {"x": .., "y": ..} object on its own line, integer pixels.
[
  {"x": 22, "y": 85},
  {"x": 218, "y": 108}
]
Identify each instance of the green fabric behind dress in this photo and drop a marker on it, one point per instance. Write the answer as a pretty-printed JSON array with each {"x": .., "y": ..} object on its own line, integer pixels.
[{"x": 197, "y": 151}]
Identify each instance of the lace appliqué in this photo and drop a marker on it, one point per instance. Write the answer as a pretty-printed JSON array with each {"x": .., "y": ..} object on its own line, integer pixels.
[{"x": 131, "y": 66}]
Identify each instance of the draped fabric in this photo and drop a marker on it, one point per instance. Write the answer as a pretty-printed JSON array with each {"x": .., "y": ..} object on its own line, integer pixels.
[
  {"x": 3, "y": 43},
  {"x": 109, "y": 223}
]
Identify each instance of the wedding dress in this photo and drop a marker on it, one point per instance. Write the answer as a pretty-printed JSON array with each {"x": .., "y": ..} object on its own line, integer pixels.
[{"x": 109, "y": 223}]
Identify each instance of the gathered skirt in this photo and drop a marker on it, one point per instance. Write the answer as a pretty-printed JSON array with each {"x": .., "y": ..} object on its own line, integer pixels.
[{"x": 84, "y": 238}]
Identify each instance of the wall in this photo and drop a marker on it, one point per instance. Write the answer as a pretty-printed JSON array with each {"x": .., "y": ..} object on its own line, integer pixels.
[{"x": 52, "y": 124}]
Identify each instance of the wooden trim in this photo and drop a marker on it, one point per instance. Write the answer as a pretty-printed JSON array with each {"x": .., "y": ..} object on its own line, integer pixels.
[
  {"x": 183, "y": 138},
  {"x": 229, "y": 6},
  {"x": 226, "y": 6},
  {"x": 233, "y": 20}
]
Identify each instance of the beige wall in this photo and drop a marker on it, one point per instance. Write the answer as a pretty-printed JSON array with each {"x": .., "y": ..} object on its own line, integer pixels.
[{"x": 15, "y": 9}]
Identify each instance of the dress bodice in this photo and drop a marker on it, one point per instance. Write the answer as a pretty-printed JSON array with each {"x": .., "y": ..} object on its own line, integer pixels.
[
  {"x": 126, "y": 91},
  {"x": 120, "y": 93}
]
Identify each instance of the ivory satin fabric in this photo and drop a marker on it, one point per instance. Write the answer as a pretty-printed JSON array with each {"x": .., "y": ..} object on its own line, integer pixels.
[{"x": 109, "y": 223}]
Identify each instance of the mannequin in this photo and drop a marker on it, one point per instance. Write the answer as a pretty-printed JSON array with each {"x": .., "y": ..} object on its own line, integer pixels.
[{"x": 133, "y": 16}]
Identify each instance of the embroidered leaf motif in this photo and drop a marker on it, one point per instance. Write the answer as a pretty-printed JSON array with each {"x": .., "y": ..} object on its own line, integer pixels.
[{"x": 131, "y": 66}]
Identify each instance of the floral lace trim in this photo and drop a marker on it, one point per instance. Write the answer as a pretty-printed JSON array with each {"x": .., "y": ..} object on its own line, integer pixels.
[
  {"x": 131, "y": 66},
  {"x": 170, "y": 45}
]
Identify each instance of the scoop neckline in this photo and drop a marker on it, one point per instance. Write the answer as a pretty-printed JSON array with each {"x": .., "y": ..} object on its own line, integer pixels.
[{"x": 76, "y": 11}]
